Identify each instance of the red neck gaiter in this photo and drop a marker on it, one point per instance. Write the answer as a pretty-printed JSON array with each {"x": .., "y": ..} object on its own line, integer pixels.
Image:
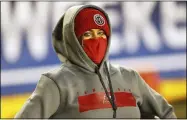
[{"x": 95, "y": 49}]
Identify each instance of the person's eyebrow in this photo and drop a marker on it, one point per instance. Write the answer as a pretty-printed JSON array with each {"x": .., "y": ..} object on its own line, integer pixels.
[
  {"x": 88, "y": 31},
  {"x": 101, "y": 30},
  {"x": 91, "y": 30}
]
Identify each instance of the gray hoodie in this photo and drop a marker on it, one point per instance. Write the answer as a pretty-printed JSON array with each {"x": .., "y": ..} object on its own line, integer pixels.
[{"x": 81, "y": 89}]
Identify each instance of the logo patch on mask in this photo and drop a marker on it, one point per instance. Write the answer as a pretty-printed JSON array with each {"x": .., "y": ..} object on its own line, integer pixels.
[{"x": 99, "y": 20}]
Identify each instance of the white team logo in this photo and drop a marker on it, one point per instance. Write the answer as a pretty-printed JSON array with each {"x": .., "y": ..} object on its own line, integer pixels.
[
  {"x": 99, "y": 20},
  {"x": 105, "y": 99}
]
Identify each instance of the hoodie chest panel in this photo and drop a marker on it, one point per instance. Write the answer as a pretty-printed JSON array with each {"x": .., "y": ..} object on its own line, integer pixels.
[
  {"x": 87, "y": 99},
  {"x": 125, "y": 83}
]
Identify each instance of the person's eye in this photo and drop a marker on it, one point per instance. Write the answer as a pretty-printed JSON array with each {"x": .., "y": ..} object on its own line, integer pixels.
[
  {"x": 87, "y": 34},
  {"x": 101, "y": 32}
]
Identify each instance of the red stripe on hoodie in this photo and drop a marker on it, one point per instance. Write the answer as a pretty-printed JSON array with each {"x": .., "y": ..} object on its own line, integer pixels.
[{"x": 99, "y": 101}]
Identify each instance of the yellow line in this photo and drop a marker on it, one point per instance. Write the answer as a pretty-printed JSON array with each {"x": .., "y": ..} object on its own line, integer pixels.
[
  {"x": 11, "y": 104},
  {"x": 173, "y": 89}
]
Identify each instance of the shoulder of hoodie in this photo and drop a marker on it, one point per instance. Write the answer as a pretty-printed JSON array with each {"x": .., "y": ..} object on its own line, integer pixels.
[
  {"x": 59, "y": 73},
  {"x": 125, "y": 71}
]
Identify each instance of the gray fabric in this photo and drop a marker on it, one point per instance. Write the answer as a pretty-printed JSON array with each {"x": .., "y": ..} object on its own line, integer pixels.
[
  {"x": 56, "y": 94},
  {"x": 39, "y": 103}
]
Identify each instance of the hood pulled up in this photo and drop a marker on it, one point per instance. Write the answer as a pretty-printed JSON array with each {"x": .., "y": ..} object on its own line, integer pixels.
[{"x": 66, "y": 44}]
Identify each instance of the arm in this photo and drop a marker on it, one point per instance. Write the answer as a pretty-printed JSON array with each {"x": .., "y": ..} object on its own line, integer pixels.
[
  {"x": 153, "y": 103},
  {"x": 43, "y": 102}
]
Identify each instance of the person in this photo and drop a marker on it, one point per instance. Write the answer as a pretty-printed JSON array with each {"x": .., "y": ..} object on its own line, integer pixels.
[{"x": 87, "y": 85}]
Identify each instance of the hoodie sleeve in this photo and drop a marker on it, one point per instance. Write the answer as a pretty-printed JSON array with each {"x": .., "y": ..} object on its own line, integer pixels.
[
  {"x": 152, "y": 102},
  {"x": 43, "y": 102}
]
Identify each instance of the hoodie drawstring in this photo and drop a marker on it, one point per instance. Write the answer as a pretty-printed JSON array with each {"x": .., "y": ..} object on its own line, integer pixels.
[
  {"x": 112, "y": 99},
  {"x": 111, "y": 90}
]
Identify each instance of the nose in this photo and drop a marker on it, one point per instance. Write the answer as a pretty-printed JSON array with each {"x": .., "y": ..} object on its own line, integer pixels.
[{"x": 95, "y": 35}]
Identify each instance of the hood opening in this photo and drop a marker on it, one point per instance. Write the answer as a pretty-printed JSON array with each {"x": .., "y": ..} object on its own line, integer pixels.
[{"x": 66, "y": 44}]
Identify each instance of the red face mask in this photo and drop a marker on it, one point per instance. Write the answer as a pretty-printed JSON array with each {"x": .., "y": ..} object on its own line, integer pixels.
[{"x": 95, "y": 49}]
